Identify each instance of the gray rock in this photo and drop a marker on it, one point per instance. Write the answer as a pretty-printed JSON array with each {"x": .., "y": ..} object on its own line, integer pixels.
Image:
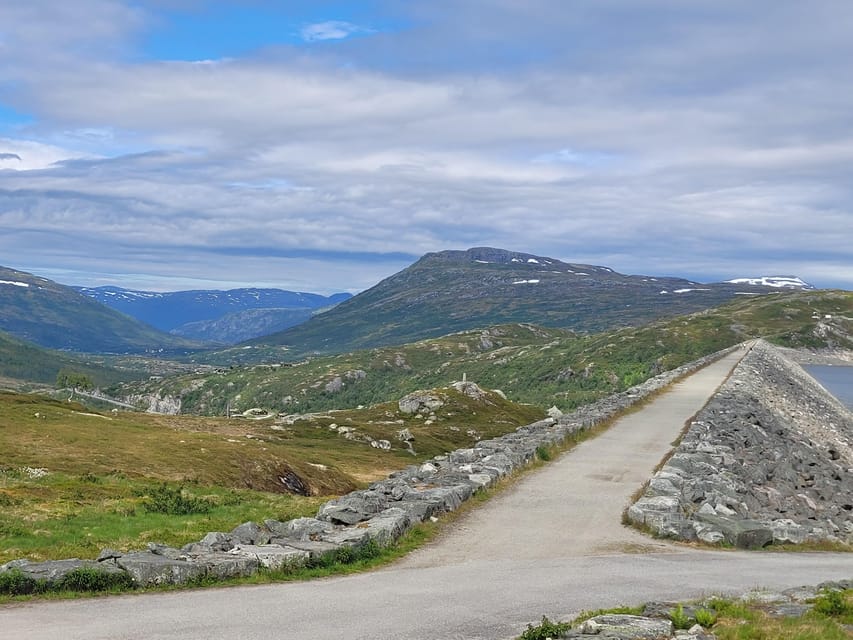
[
  {"x": 420, "y": 401},
  {"x": 249, "y": 533},
  {"x": 300, "y": 528},
  {"x": 353, "y": 508},
  {"x": 743, "y": 534},
  {"x": 148, "y": 569},
  {"x": 56, "y": 570},
  {"x": 108, "y": 554},
  {"x": 627, "y": 627},
  {"x": 225, "y": 565},
  {"x": 271, "y": 556}
]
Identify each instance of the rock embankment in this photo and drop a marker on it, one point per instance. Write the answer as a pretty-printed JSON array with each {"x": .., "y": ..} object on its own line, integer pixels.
[
  {"x": 768, "y": 460},
  {"x": 379, "y": 514}
]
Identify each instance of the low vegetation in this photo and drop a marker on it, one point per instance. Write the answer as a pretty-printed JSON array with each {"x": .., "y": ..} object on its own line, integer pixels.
[
  {"x": 529, "y": 364},
  {"x": 73, "y": 481},
  {"x": 829, "y": 619}
]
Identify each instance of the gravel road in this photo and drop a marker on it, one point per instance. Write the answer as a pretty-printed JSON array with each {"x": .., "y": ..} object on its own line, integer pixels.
[{"x": 552, "y": 544}]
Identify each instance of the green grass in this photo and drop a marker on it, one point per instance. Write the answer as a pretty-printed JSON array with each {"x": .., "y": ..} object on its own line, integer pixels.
[
  {"x": 64, "y": 516},
  {"x": 731, "y": 619},
  {"x": 122, "y": 480}
]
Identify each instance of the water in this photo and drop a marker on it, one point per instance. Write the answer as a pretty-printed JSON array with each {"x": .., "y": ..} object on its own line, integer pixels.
[{"x": 837, "y": 380}]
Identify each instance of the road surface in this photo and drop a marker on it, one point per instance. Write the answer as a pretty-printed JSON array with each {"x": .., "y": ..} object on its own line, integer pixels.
[{"x": 552, "y": 545}]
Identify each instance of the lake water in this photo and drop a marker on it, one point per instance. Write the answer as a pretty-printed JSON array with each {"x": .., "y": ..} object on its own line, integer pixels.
[{"x": 837, "y": 380}]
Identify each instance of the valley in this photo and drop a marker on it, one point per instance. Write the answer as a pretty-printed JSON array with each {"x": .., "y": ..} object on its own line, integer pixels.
[{"x": 269, "y": 430}]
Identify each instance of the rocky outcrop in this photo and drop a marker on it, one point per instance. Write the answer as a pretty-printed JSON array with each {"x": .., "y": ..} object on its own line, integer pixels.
[
  {"x": 379, "y": 514},
  {"x": 768, "y": 459}
]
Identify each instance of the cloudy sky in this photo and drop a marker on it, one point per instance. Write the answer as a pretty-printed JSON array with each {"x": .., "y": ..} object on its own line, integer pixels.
[{"x": 323, "y": 145}]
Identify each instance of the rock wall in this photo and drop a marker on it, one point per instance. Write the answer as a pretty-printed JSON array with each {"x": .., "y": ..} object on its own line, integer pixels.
[
  {"x": 768, "y": 459},
  {"x": 381, "y": 513}
]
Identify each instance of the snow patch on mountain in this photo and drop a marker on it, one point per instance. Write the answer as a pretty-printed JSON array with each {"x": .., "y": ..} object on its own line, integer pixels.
[
  {"x": 14, "y": 284},
  {"x": 778, "y": 282}
]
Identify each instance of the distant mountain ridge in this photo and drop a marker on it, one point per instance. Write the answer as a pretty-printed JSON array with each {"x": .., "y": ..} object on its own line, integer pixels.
[
  {"x": 52, "y": 315},
  {"x": 213, "y": 315},
  {"x": 483, "y": 286}
]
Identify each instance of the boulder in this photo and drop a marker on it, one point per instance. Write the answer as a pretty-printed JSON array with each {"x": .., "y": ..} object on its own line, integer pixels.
[
  {"x": 353, "y": 508},
  {"x": 420, "y": 402},
  {"x": 148, "y": 569},
  {"x": 627, "y": 627},
  {"x": 743, "y": 534},
  {"x": 56, "y": 570},
  {"x": 272, "y": 556},
  {"x": 249, "y": 533}
]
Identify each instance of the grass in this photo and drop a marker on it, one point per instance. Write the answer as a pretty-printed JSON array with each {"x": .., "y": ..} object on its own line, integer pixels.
[
  {"x": 68, "y": 516},
  {"x": 122, "y": 480},
  {"x": 749, "y": 621},
  {"x": 731, "y": 619}
]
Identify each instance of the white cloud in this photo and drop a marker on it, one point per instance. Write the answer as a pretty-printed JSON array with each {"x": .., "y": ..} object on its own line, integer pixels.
[
  {"x": 330, "y": 30},
  {"x": 687, "y": 143}
]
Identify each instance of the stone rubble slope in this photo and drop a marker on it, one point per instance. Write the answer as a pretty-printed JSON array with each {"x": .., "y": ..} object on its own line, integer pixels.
[
  {"x": 769, "y": 459},
  {"x": 380, "y": 514}
]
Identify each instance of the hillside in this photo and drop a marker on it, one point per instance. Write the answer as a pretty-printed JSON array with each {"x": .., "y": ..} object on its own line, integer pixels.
[
  {"x": 23, "y": 363},
  {"x": 51, "y": 315},
  {"x": 460, "y": 290},
  {"x": 75, "y": 481},
  {"x": 226, "y": 317},
  {"x": 530, "y": 364}
]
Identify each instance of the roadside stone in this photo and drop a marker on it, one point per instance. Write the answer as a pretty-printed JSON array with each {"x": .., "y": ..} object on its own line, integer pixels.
[
  {"x": 148, "y": 569},
  {"x": 271, "y": 556},
  {"x": 299, "y": 529},
  {"x": 56, "y": 570},
  {"x": 249, "y": 533},
  {"x": 108, "y": 554},
  {"x": 627, "y": 627},
  {"x": 224, "y": 566}
]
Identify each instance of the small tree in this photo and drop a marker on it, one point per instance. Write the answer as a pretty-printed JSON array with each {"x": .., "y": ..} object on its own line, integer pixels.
[{"x": 67, "y": 379}]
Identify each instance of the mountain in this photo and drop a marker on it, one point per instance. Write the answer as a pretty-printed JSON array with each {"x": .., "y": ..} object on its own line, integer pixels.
[
  {"x": 240, "y": 326},
  {"x": 195, "y": 314},
  {"x": 459, "y": 290},
  {"x": 52, "y": 315}
]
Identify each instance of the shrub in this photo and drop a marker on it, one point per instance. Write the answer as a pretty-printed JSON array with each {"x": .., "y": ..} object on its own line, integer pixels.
[
  {"x": 680, "y": 620},
  {"x": 543, "y": 453},
  {"x": 545, "y": 629},
  {"x": 15, "y": 583},
  {"x": 706, "y": 618},
  {"x": 346, "y": 555},
  {"x": 832, "y": 603},
  {"x": 175, "y": 502},
  {"x": 90, "y": 579}
]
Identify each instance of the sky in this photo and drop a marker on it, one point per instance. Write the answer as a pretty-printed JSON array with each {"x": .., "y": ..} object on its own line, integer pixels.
[{"x": 324, "y": 145}]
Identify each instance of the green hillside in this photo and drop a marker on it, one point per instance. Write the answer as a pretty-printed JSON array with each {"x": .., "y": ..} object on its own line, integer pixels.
[
  {"x": 23, "y": 362},
  {"x": 530, "y": 364}
]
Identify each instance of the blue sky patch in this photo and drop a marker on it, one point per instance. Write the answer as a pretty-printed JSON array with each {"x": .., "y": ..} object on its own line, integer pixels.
[{"x": 236, "y": 29}]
